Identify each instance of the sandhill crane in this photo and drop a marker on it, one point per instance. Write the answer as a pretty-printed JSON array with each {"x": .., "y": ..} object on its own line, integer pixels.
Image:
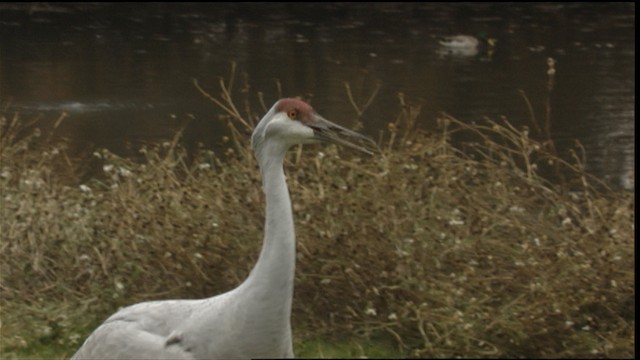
[{"x": 252, "y": 320}]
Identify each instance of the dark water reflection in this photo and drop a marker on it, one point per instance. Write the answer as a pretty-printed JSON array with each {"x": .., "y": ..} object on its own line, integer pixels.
[{"x": 124, "y": 72}]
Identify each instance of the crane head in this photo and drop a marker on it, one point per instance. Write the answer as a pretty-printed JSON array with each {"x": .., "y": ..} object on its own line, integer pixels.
[{"x": 292, "y": 121}]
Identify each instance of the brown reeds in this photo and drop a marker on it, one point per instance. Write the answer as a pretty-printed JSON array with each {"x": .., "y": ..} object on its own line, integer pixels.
[{"x": 448, "y": 253}]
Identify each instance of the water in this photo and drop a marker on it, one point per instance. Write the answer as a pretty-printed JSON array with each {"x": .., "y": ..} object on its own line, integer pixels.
[{"x": 124, "y": 73}]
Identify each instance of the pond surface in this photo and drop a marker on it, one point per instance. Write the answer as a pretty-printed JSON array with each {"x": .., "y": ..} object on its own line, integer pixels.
[{"x": 124, "y": 72}]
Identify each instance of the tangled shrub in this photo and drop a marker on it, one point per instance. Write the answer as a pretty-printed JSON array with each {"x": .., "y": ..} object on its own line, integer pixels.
[{"x": 450, "y": 253}]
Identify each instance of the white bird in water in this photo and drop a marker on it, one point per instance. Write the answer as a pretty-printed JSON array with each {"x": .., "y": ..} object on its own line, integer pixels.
[
  {"x": 466, "y": 45},
  {"x": 252, "y": 320},
  {"x": 466, "y": 41}
]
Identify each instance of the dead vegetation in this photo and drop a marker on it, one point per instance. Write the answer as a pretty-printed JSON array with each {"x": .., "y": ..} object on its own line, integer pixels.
[{"x": 449, "y": 253}]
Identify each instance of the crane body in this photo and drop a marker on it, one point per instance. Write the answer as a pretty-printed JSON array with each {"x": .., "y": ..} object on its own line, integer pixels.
[{"x": 254, "y": 319}]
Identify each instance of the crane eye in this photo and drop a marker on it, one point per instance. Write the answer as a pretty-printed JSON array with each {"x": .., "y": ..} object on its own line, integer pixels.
[{"x": 292, "y": 114}]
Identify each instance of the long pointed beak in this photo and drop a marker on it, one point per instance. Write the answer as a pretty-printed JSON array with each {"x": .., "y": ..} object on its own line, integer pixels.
[{"x": 327, "y": 131}]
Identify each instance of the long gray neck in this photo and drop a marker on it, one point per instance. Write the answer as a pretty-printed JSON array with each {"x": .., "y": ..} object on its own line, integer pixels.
[{"x": 272, "y": 276}]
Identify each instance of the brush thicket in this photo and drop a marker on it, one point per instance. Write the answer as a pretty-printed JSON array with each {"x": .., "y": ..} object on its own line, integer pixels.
[{"x": 448, "y": 253}]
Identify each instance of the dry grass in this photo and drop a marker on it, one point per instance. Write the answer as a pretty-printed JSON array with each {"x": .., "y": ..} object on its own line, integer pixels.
[{"x": 448, "y": 253}]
